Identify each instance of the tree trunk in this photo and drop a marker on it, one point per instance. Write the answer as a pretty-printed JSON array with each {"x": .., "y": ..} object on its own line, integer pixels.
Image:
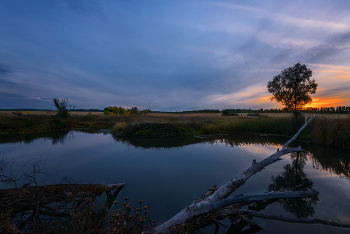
[{"x": 295, "y": 112}]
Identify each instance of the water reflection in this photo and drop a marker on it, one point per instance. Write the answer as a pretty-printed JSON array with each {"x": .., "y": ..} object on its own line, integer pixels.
[
  {"x": 169, "y": 180},
  {"x": 156, "y": 143},
  {"x": 294, "y": 179},
  {"x": 333, "y": 160},
  {"x": 56, "y": 137}
]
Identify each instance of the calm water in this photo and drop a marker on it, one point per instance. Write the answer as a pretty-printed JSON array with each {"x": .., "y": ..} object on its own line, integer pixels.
[{"x": 168, "y": 174}]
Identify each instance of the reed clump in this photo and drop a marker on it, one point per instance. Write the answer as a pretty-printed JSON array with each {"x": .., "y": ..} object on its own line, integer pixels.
[
  {"x": 265, "y": 125},
  {"x": 119, "y": 127},
  {"x": 334, "y": 132}
]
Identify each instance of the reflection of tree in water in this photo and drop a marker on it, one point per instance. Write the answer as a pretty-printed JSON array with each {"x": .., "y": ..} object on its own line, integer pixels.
[
  {"x": 28, "y": 138},
  {"x": 247, "y": 140},
  {"x": 333, "y": 160},
  {"x": 60, "y": 137},
  {"x": 294, "y": 178}
]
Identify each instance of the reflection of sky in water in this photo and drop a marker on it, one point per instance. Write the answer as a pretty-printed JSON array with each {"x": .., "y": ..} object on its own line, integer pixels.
[{"x": 171, "y": 178}]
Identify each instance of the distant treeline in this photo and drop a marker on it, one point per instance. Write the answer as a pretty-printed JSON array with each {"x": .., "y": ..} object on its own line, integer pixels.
[
  {"x": 122, "y": 111},
  {"x": 191, "y": 112},
  {"x": 322, "y": 110},
  {"x": 338, "y": 109},
  {"x": 89, "y": 110}
]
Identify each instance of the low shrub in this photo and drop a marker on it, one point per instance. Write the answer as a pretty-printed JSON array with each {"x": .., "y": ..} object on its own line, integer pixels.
[
  {"x": 229, "y": 112},
  {"x": 210, "y": 129},
  {"x": 18, "y": 113},
  {"x": 119, "y": 127}
]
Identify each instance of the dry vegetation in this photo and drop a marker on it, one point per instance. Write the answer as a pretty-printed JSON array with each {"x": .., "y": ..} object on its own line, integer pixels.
[
  {"x": 328, "y": 116},
  {"x": 51, "y": 112},
  {"x": 327, "y": 129},
  {"x": 212, "y": 115}
]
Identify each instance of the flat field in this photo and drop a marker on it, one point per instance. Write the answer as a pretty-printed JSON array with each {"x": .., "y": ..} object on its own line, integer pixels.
[
  {"x": 210, "y": 115},
  {"x": 49, "y": 112},
  {"x": 328, "y": 116}
]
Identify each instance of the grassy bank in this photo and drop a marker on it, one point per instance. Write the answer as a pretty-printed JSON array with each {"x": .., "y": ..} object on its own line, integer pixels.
[
  {"x": 327, "y": 131},
  {"x": 48, "y": 123},
  {"x": 333, "y": 132}
]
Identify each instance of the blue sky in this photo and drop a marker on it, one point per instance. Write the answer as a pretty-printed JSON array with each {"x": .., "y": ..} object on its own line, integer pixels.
[{"x": 169, "y": 55}]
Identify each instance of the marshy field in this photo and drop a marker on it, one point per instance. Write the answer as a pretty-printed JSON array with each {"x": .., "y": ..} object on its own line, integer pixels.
[
  {"x": 326, "y": 129},
  {"x": 164, "y": 160},
  {"x": 83, "y": 113}
]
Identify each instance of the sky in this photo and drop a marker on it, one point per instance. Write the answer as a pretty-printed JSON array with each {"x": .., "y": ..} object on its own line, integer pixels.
[{"x": 169, "y": 55}]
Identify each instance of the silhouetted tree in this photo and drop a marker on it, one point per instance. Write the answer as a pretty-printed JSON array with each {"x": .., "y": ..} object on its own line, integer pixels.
[
  {"x": 62, "y": 107},
  {"x": 292, "y": 87}
]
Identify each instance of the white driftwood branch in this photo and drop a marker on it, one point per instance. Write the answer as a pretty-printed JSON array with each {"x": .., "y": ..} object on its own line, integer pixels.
[
  {"x": 208, "y": 204},
  {"x": 225, "y": 190},
  {"x": 301, "y": 129}
]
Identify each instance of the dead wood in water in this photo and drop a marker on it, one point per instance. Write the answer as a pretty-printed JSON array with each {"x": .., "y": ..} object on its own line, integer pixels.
[
  {"x": 216, "y": 205},
  {"x": 20, "y": 206}
]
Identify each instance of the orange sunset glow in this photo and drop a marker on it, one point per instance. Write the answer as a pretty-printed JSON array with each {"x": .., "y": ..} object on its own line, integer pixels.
[
  {"x": 328, "y": 102},
  {"x": 333, "y": 89}
]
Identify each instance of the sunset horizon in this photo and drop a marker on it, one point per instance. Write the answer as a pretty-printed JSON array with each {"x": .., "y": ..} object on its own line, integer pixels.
[{"x": 169, "y": 56}]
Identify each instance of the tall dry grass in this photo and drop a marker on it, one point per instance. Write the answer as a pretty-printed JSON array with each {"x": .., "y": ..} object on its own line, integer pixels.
[
  {"x": 334, "y": 132},
  {"x": 326, "y": 131}
]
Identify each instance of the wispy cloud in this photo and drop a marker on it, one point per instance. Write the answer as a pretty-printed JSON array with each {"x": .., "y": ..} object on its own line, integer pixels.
[
  {"x": 4, "y": 70},
  {"x": 168, "y": 55},
  {"x": 285, "y": 19},
  {"x": 254, "y": 96}
]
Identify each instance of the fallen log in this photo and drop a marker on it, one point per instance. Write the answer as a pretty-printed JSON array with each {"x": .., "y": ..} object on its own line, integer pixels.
[{"x": 198, "y": 208}]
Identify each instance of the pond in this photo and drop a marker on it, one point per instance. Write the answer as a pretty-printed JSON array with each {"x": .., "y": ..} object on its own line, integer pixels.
[{"x": 168, "y": 174}]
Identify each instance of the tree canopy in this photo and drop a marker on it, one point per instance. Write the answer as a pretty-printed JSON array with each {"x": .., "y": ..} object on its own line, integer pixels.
[{"x": 293, "y": 86}]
